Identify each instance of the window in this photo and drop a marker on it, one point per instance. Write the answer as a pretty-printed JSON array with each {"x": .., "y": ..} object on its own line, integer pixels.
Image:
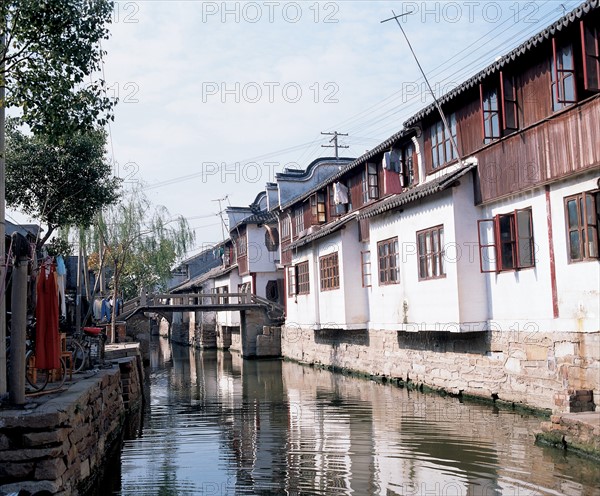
[
  {"x": 590, "y": 41},
  {"x": 317, "y": 207},
  {"x": 291, "y": 280},
  {"x": 510, "y": 107},
  {"x": 271, "y": 238},
  {"x": 302, "y": 278},
  {"x": 582, "y": 215},
  {"x": 510, "y": 242},
  {"x": 490, "y": 109},
  {"x": 330, "y": 272},
  {"x": 285, "y": 226},
  {"x": 387, "y": 252},
  {"x": 407, "y": 177},
  {"x": 299, "y": 220},
  {"x": 370, "y": 184},
  {"x": 563, "y": 76},
  {"x": 242, "y": 245},
  {"x": 441, "y": 145},
  {"x": 222, "y": 290},
  {"x": 365, "y": 263},
  {"x": 430, "y": 246}
]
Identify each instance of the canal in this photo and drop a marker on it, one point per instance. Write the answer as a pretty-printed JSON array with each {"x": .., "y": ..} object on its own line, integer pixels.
[{"x": 217, "y": 425}]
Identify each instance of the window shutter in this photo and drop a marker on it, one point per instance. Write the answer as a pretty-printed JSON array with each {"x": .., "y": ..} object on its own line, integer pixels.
[{"x": 488, "y": 252}]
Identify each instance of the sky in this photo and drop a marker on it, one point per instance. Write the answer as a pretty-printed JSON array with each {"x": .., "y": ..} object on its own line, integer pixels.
[{"x": 215, "y": 98}]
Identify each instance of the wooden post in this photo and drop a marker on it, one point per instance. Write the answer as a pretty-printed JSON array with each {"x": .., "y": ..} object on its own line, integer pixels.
[{"x": 19, "y": 321}]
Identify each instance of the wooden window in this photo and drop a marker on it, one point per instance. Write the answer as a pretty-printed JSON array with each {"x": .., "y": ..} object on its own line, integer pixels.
[
  {"x": 271, "y": 238},
  {"x": 563, "y": 76},
  {"x": 430, "y": 246},
  {"x": 442, "y": 150},
  {"x": 291, "y": 280},
  {"x": 510, "y": 107},
  {"x": 329, "y": 272},
  {"x": 363, "y": 230},
  {"x": 490, "y": 114},
  {"x": 407, "y": 169},
  {"x": 299, "y": 220},
  {"x": 370, "y": 183},
  {"x": 509, "y": 243},
  {"x": 365, "y": 264},
  {"x": 388, "y": 256},
  {"x": 222, "y": 290},
  {"x": 581, "y": 212},
  {"x": 285, "y": 226},
  {"x": 242, "y": 245},
  {"x": 590, "y": 43},
  {"x": 317, "y": 208},
  {"x": 302, "y": 278}
]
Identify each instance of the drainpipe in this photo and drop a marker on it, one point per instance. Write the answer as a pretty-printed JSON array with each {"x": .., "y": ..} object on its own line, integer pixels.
[{"x": 316, "y": 285}]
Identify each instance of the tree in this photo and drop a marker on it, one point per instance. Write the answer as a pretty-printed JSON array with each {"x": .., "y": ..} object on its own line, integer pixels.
[
  {"x": 140, "y": 244},
  {"x": 48, "y": 51},
  {"x": 62, "y": 185}
]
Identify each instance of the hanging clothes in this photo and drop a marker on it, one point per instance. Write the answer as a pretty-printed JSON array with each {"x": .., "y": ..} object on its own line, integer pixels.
[
  {"x": 47, "y": 340},
  {"x": 106, "y": 311},
  {"x": 61, "y": 272},
  {"x": 97, "y": 309},
  {"x": 340, "y": 194}
]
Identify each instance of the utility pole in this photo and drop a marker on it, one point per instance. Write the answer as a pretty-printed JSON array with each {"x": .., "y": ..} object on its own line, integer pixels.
[
  {"x": 19, "y": 320},
  {"x": 437, "y": 103},
  {"x": 335, "y": 145},
  {"x": 221, "y": 215}
]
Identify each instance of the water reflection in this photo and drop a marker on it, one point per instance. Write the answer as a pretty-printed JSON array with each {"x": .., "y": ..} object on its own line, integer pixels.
[{"x": 216, "y": 424}]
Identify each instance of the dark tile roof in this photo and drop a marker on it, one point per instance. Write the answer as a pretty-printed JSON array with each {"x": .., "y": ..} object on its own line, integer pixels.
[
  {"x": 563, "y": 23},
  {"x": 196, "y": 281},
  {"x": 382, "y": 147},
  {"x": 416, "y": 193},
  {"x": 264, "y": 217},
  {"x": 327, "y": 229}
]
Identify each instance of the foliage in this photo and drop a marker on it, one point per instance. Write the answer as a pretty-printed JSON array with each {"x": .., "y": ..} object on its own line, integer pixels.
[
  {"x": 59, "y": 245},
  {"x": 141, "y": 243},
  {"x": 62, "y": 184},
  {"x": 51, "y": 50}
]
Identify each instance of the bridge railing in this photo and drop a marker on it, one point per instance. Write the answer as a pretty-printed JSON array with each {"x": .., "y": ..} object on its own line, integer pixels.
[{"x": 213, "y": 299}]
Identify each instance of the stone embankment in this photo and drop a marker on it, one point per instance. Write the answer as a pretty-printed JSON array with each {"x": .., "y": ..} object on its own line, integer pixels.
[
  {"x": 60, "y": 442},
  {"x": 576, "y": 432}
]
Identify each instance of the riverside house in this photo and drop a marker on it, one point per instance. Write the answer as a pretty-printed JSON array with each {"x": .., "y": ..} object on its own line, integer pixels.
[{"x": 470, "y": 266}]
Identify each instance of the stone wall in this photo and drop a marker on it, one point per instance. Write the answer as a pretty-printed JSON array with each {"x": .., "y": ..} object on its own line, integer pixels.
[
  {"x": 60, "y": 444},
  {"x": 517, "y": 367}
]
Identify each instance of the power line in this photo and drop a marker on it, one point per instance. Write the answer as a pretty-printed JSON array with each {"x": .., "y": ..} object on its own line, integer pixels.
[{"x": 335, "y": 145}]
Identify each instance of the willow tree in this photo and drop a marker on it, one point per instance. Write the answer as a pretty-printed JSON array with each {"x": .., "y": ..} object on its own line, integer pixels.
[{"x": 140, "y": 243}]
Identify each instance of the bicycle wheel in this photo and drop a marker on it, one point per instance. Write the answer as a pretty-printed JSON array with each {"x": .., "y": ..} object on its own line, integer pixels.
[
  {"x": 58, "y": 378},
  {"x": 79, "y": 355},
  {"x": 36, "y": 378}
]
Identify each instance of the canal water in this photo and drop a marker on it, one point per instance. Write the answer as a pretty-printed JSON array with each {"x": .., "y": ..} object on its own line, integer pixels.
[{"x": 218, "y": 425}]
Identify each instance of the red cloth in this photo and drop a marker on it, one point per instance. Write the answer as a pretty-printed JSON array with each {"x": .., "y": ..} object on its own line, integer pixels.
[{"x": 47, "y": 340}]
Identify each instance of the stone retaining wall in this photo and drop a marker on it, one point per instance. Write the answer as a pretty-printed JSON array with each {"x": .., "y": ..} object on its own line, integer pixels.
[
  {"x": 60, "y": 444},
  {"x": 579, "y": 433},
  {"x": 518, "y": 367}
]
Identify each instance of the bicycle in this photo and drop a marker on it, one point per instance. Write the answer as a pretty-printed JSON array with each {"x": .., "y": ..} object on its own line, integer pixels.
[{"x": 86, "y": 346}]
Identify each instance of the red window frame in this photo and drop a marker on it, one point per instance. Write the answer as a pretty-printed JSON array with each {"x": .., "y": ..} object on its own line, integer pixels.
[
  {"x": 430, "y": 251},
  {"x": 302, "y": 278},
  {"x": 442, "y": 150},
  {"x": 298, "y": 220},
  {"x": 560, "y": 75},
  {"x": 388, "y": 257},
  {"x": 590, "y": 47},
  {"x": 584, "y": 226},
  {"x": 490, "y": 114},
  {"x": 286, "y": 224},
  {"x": 329, "y": 271},
  {"x": 509, "y": 103},
  {"x": 317, "y": 208},
  {"x": 407, "y": 167},
  {"x": 511, "y": 240}
]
